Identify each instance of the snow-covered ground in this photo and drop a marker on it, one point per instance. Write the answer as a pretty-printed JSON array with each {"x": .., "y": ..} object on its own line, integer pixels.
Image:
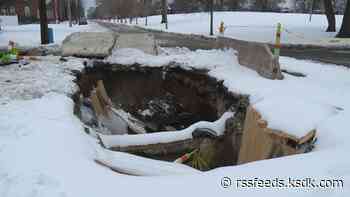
[
  {"x": 29, "y": 35},
  {"x": 45, "y": 152},
  {"x": 255, "y": 26}
]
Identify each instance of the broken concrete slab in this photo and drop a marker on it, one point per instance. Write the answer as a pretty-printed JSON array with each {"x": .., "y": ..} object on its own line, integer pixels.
[
  {"x": 89, "y": 44},
  {"x": 256, "y": 56},
  {"x": 260, "y": 142},
  {"x": 143, "y": 41}
]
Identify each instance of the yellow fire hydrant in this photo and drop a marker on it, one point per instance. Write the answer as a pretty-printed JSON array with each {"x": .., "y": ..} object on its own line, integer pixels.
[{"x": 222, "y": 28}]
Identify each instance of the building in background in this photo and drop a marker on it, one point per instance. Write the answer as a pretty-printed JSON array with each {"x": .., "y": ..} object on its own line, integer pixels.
[{"x": 28, "y": 10}]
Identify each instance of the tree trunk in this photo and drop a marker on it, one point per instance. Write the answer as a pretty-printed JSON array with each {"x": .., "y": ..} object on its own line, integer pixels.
[
  {"x": 261, "y": 4},
  {"x": 69, "y": 9},
  {"x": 43, "y": 23},
  {"x": 329, "y": 11},
  {"x": 345, "y": 28},
  {"x": 164, "y": 11},
  {"x": 234, "y": 4},
  {"x": 211, "y": 7}
]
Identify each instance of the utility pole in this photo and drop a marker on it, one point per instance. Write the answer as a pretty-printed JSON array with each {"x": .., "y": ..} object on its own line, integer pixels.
[
  {"x": 78, "y": 11},
  {"x": 165, "y": 13},
  {"x": 69, "y": 13},
  {"x": 57, "y": 15},
  {"x": 146, "y": 11},
  {"x": 211, "y": 7},
  {"x": 44, "y": 27}
]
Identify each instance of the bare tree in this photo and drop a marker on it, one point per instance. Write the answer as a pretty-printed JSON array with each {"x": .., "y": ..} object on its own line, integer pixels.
[
  {"x": 43, "y": 22},
  {"x": 164, "y": 11},
  {"x": 329, "y": 11},
  {"x": 70, "y": 12},
  {"x": 345, "y": 28}
]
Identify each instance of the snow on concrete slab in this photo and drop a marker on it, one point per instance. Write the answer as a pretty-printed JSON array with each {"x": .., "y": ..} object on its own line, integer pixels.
[
  {"x": 255, "y": 26},
  {"x": 142, "y": 41},
  {"x": 89, "y": 44},
  {"x": 288, "y": 114},
  {"x": 29, "y": 35}
]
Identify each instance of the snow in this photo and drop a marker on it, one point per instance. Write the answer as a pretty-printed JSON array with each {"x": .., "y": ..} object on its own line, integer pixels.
[
  {"x": 284, "y": 117},
  {"x": 29, "y": 35},
  {"x": 164, "y": 137},
  {"x": 47, "y": 74},
  {"x": 139, "y": 166},
  {"x": 45, "y": 152},
  {"x": 8, "y": 20},
  {"x": 255, "y": 26},
  {"x": 278, "y": 101}
]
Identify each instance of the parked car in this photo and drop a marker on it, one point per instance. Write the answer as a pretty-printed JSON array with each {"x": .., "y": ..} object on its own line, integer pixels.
[
  {"x": 285, "y": 10},
  {"x": 83, "y": 21}
]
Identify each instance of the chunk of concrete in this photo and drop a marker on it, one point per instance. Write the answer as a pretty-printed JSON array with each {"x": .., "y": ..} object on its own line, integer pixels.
[
  {"x": 89, "y": 44},
  {"x": 253, "y": 55},
  {"x": 259, "y": 142},
  {"x": 143, "y": 41},
  {"x": 259, "y": 58}
]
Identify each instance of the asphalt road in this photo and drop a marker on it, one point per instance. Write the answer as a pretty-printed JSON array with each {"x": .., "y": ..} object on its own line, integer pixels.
[
  {"x": 164, "y": 39},
  {"x": 333, "y": 56}
]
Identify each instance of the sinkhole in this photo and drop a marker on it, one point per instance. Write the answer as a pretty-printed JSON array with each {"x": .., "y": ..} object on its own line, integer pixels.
[{"x": 166, "y": 100}]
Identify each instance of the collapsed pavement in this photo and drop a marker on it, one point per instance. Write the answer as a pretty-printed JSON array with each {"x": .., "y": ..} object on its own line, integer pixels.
[
  {"x": 194, "y": 89},
  {"x": 151, "y": 95}
]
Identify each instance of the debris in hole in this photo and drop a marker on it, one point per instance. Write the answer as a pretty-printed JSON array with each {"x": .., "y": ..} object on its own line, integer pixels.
[
  {"x": 165, "y": 113},
  {"x": 184, "y": 158},
  {"x": 110, "y": 120},
  {"x": 204, "y": 158},
  {"x": 204, "y": 133},
  {"x": 134, "y": 124}
]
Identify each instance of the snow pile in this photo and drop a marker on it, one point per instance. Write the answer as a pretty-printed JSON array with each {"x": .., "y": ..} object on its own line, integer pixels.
[
  {"x": 139, "y": 166},
  {"x": 29, "y": 35},
  {"x": 8, "y": 20},
  {"x": 255, "y": 26}
]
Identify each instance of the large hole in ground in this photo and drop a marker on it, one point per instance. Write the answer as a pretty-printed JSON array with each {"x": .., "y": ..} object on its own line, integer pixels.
[{"x": 172, "y": 98}]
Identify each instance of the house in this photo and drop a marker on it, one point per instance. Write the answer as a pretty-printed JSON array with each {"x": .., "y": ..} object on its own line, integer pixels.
[{"x": 28, "y": 10}]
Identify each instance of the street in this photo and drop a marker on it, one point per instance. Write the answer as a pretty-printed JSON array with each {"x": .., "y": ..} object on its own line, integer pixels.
[{"x": 194, "y": 42}]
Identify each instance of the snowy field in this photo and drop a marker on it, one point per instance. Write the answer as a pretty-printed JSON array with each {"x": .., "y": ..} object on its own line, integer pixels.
[
  {"x": 29, "y": 35},
  {"x": 45, "y": 152},
  {"x": 255, "y": 26}
]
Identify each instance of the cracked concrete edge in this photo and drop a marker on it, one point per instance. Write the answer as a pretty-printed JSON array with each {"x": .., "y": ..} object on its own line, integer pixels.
[{"x": 70, "y": 45}]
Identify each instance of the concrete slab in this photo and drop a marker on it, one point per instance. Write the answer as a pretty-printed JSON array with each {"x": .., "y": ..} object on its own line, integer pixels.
[
  {"x": 142, "y": 41},
  {"x": 89, "y": 44}
]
